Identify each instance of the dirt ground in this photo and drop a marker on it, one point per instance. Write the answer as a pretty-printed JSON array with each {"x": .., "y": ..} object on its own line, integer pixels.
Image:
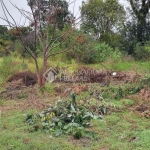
[
  {"x": 24, "y": 84},
  {"x": 23, "y": 88}
]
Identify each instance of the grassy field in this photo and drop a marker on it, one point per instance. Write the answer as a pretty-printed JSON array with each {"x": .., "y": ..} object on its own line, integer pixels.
[{"x": 122, "y": 128}]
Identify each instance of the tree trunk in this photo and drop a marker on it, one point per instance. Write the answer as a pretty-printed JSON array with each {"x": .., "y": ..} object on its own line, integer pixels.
[
  {"x": 40, "y": 79},
  {"x": 140, "y": 28},
  {"x": 40, "y": 73}
]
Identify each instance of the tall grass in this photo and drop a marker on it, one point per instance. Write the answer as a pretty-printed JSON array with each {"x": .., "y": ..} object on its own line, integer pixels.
[{"x": 8, "y": 67}]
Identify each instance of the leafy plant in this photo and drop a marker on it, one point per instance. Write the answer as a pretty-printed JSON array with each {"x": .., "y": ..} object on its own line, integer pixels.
[
  {"x": 116, "y": 55},
  {"x": 136, "y": 89},
  {"x": 48, "y": 88},
  {"x": 129, "y": 90},
  {"x": 119, "y": 93},
  {"x": 142, "y": 52},
  {"x": 128, "y": 102},
  {"x": 66, "y": 117},
  {"x": 103, "y": 51}
]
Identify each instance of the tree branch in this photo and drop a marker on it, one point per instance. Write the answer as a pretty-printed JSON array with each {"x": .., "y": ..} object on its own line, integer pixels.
[
  {"x": 133, "y": 8},
  {"x": 146, "y": 7},
  {"x": 63, "y": 50}
]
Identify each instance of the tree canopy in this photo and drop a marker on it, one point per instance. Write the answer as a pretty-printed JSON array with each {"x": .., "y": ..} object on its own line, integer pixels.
[
  {"x": 102, "y": 18},
  {"x": 52, "y": 11},
  {"x": 140, "y": 9}
]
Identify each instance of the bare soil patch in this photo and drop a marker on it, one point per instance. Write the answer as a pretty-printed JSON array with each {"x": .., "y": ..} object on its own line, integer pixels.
[
  {"x": 23, "y": 78},
  {"x": 142, "y": 106},
  {"x": 23, "y": 86}
]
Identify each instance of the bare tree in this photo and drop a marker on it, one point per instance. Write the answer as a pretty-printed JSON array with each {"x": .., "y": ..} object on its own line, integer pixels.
[{"x": 43, "y": 20}]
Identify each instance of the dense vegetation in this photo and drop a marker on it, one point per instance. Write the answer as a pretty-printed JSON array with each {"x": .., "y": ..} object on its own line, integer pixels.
[{"x": 104, "y": 29}]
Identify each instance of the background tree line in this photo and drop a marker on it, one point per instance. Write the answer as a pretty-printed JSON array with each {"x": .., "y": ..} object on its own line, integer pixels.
[
  {"x": 105, "y": 30},
  {"x": 103, "y": 22}
]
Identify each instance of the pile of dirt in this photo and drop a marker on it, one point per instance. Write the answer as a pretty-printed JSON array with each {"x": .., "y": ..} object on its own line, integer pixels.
[
  {"x": 77, "y": 89},
  {"x": 144, "y": 106},
  {"x": 92, "y": 75},
  {"x": 20, "y": 86},
  {"x": 144, "y": 109},
  {"x": 65, "y": 89},
  {"x": 142, "y": 102},
  {"x": 23, "y": 78},
  {"x": 104, "y": 77},
  {"x": 19, "y": 92}
]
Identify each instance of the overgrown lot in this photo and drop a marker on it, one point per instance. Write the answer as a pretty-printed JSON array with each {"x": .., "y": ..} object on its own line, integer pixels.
[
  {"x": 75, "y": 80},
  {"x": 123, "y": 105}
]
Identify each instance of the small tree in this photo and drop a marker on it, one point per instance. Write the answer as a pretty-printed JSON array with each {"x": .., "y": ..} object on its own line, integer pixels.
[{"x": 46, "y": 18}]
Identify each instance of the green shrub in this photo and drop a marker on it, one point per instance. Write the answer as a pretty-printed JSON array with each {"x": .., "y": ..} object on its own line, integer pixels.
[
  {"x": 116, "y": 55},
  {"x": 103, "y": 51},
  {"x": 83, "y": 54},
  {"x": 48, "y": 88},
  {"x": 128, "y": 102},
  {"x": 83, "y": 50},
  {"x": 142, "y": 52}
]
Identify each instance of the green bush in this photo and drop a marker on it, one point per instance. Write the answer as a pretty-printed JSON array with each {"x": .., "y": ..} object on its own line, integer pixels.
[
  {"x": 142, "y": 52},
  {"x": 83, "y": 50},
  {"x": 48, "y": 88},
  {"x": 128, "y": 102},
  {"x": 116, "y": 55},
  {"x": 103, "y": 51}
]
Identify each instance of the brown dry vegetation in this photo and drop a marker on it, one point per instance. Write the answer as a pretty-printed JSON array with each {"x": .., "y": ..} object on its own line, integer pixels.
[{"x": 22, "y": 87}]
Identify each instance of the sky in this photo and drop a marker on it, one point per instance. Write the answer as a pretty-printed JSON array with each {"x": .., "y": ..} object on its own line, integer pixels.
[{"x": 23, "y": 4}]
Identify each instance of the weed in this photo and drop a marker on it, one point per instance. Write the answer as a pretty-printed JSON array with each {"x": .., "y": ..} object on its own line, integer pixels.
[
  {"x": 22, "y": 96},
  {"x": 128, "y": 102},
  {"x": 65, "y": 117},
  {"x": 146, "y": 80},
  {"x": 2, "y": 102},
  {"x": 48, "y": 88}
]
